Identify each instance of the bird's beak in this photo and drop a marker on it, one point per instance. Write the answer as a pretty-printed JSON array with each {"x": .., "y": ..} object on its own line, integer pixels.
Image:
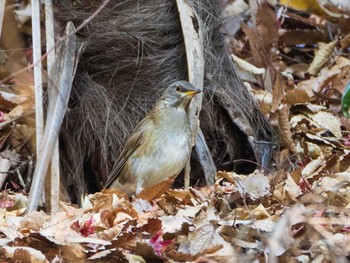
[{"x": 192, "y": 92}]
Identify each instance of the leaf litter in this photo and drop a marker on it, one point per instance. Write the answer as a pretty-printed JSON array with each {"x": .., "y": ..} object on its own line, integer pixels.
[{"x": 296, "y": 65}]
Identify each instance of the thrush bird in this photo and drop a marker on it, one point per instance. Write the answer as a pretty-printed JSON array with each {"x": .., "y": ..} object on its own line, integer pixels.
[{"x": 160, "y": 144}]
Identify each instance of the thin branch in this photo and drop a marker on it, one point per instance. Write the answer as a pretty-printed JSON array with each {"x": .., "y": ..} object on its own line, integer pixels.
[
  {"x": 55, "y": 159},
  {"x": 195, "y": 63},
  {"x": 64, "y": 74},
  {"x": 85, "y": 22},
  {"x": 2, "y": 13},
  {"x": 38, "y": 82}
]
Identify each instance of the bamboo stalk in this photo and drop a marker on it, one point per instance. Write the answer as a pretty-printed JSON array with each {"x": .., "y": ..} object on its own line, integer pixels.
[
  {"x": 64, "y": 72},
  {"x": 55, "y": 159},
  {"x": 38, "y": 82}
]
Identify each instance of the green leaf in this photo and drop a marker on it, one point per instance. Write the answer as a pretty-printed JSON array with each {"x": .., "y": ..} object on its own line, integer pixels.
[{"x": 345, "y": 101}]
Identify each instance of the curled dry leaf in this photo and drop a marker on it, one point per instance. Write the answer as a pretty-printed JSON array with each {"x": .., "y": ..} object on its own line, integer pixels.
[
  {"x": 246, "y": 66},
  {"x": 157, "y": 190},
  {"x": 34, "y": 221},
  {"x": 284, "y": 127},
  {"x": 8, "y": 99},
  {"x": 264, "y": 99},
  {"x": 345, "y": 42},
  {"x": 292, "y": 188},
  {"x": 278, "y": 92},
  {"x": 312, "y": 166},
  {"x": 255, "y": 186},
  {"x": 10, "y": 233},
  {"x": 313, "y": 150},
  {"x": 266, "y": 225},
  {"x": 259, "y": 213},
  {"x": 25, "y": 254},
  {"x": 204, "y": 238},
  {"x": 327, "y": 121},
  {"x": 321, "y": 57},
  {"x": 235, "y": 8},
  {"x": 298, "y": 95},
  {"x": 172, "y": 224}
]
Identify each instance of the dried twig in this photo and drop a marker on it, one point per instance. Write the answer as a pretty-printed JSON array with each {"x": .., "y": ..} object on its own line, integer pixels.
[
  {"x": 195, "y": 63},
  {"x": 35, "y": 63},
  {"x": 55, "y": 160},
  {"x": 2, "y": 13},
  {"x": 64, "y": 74},
  {"x": 39, "y": 114}
]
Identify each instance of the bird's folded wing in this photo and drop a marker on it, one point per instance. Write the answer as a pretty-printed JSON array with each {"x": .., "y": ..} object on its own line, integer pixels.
[{"x": 131, "y": 146}]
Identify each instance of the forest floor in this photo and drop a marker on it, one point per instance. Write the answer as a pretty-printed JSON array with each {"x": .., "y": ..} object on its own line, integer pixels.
[{"x": 296, "y": 64}]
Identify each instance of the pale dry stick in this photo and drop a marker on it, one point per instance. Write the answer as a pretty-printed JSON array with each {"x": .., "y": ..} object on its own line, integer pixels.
[
  {"x": 38, "y": 178},
  {"x": 5, "y": 165},
  {"x": 205, "y": 158},
  {"x": 85, "y": 22},
  {"x": 2, "y": 13},
  {"x": 55, "y": 159},
  {"x": 253, "y": 4},
  {"x": 195, "y": 62},
  {"x": 65, "y": 67},
  {"x": 38, "y": 82}
]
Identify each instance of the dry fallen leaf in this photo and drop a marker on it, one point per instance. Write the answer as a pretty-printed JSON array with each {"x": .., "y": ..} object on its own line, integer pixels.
[
  {"x": 322, "y": 55},
  {"x": 255, "y": 186}
]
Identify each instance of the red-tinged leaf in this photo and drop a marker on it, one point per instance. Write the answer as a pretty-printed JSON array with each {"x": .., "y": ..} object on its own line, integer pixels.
[
  {"x": 346, "y": 141},
  {"x": 320, "y": 213},
  {"x": 345, "y": 229},
  {"x": 85, "y": 229},
  {"x": 88, "y": 228},
  {"x": 305, "y": 186},
  {"x": 159, "y": 244},
  {"x": 298, "y": 229},
  {"x": 14, "y": 185},
  {"x": 5, "y": 203},
  {"x": 2, "y": 115}
]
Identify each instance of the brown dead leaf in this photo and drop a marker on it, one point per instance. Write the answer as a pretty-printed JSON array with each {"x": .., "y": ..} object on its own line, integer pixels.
[
  {"x": 157, "y": 190},
  {"x": 73, "y": 252},
  {"x": 345, "y": 42},
  {"x": 116, "y": 216},
  {"x": 297, "y": 95},
  {"x": 180, "y": 194},
  {"x": 246, "y": 66},
  {"x": 34, "y": 221},
  {"x": 259, "y": 213},
  {"x": 278, "y": 92},
  {"x": 10, "y": 100},
  {"x": 327, "y": 121},
  {"x": 302, "y": 36},
  {"x": 263, "y": 37},
  {"x": 285, "y": 129},
  {"x": 109, "y": 199},
  {"x": 204, "y": 238},
  {"x": 147, "y": 253},
  {"x": 322, "y": 55},
  {"x": 292, "y": 188},
  {"x": 256, "y": 185},
  {"x": 265, "y": 99},
  {"x": 312, "y": 166},
  {"x": 230, "y": 177},
  {"x": 172, "y": 224},
  {"x": 25, "y": 254}
]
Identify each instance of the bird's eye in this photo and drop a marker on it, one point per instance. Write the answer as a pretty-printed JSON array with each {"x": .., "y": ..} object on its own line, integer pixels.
[{"x": 178, "y": 88}]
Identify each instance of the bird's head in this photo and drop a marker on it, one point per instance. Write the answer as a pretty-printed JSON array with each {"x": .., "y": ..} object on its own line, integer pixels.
[{"x": 179, "y": 94}]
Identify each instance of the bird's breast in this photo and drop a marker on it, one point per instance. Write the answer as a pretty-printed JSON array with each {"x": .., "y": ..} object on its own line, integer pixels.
[{"x": 166, "y": 148}]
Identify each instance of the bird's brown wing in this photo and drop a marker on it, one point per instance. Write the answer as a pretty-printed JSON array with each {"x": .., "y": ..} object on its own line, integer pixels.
[{"x": 131, "y": 146}]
